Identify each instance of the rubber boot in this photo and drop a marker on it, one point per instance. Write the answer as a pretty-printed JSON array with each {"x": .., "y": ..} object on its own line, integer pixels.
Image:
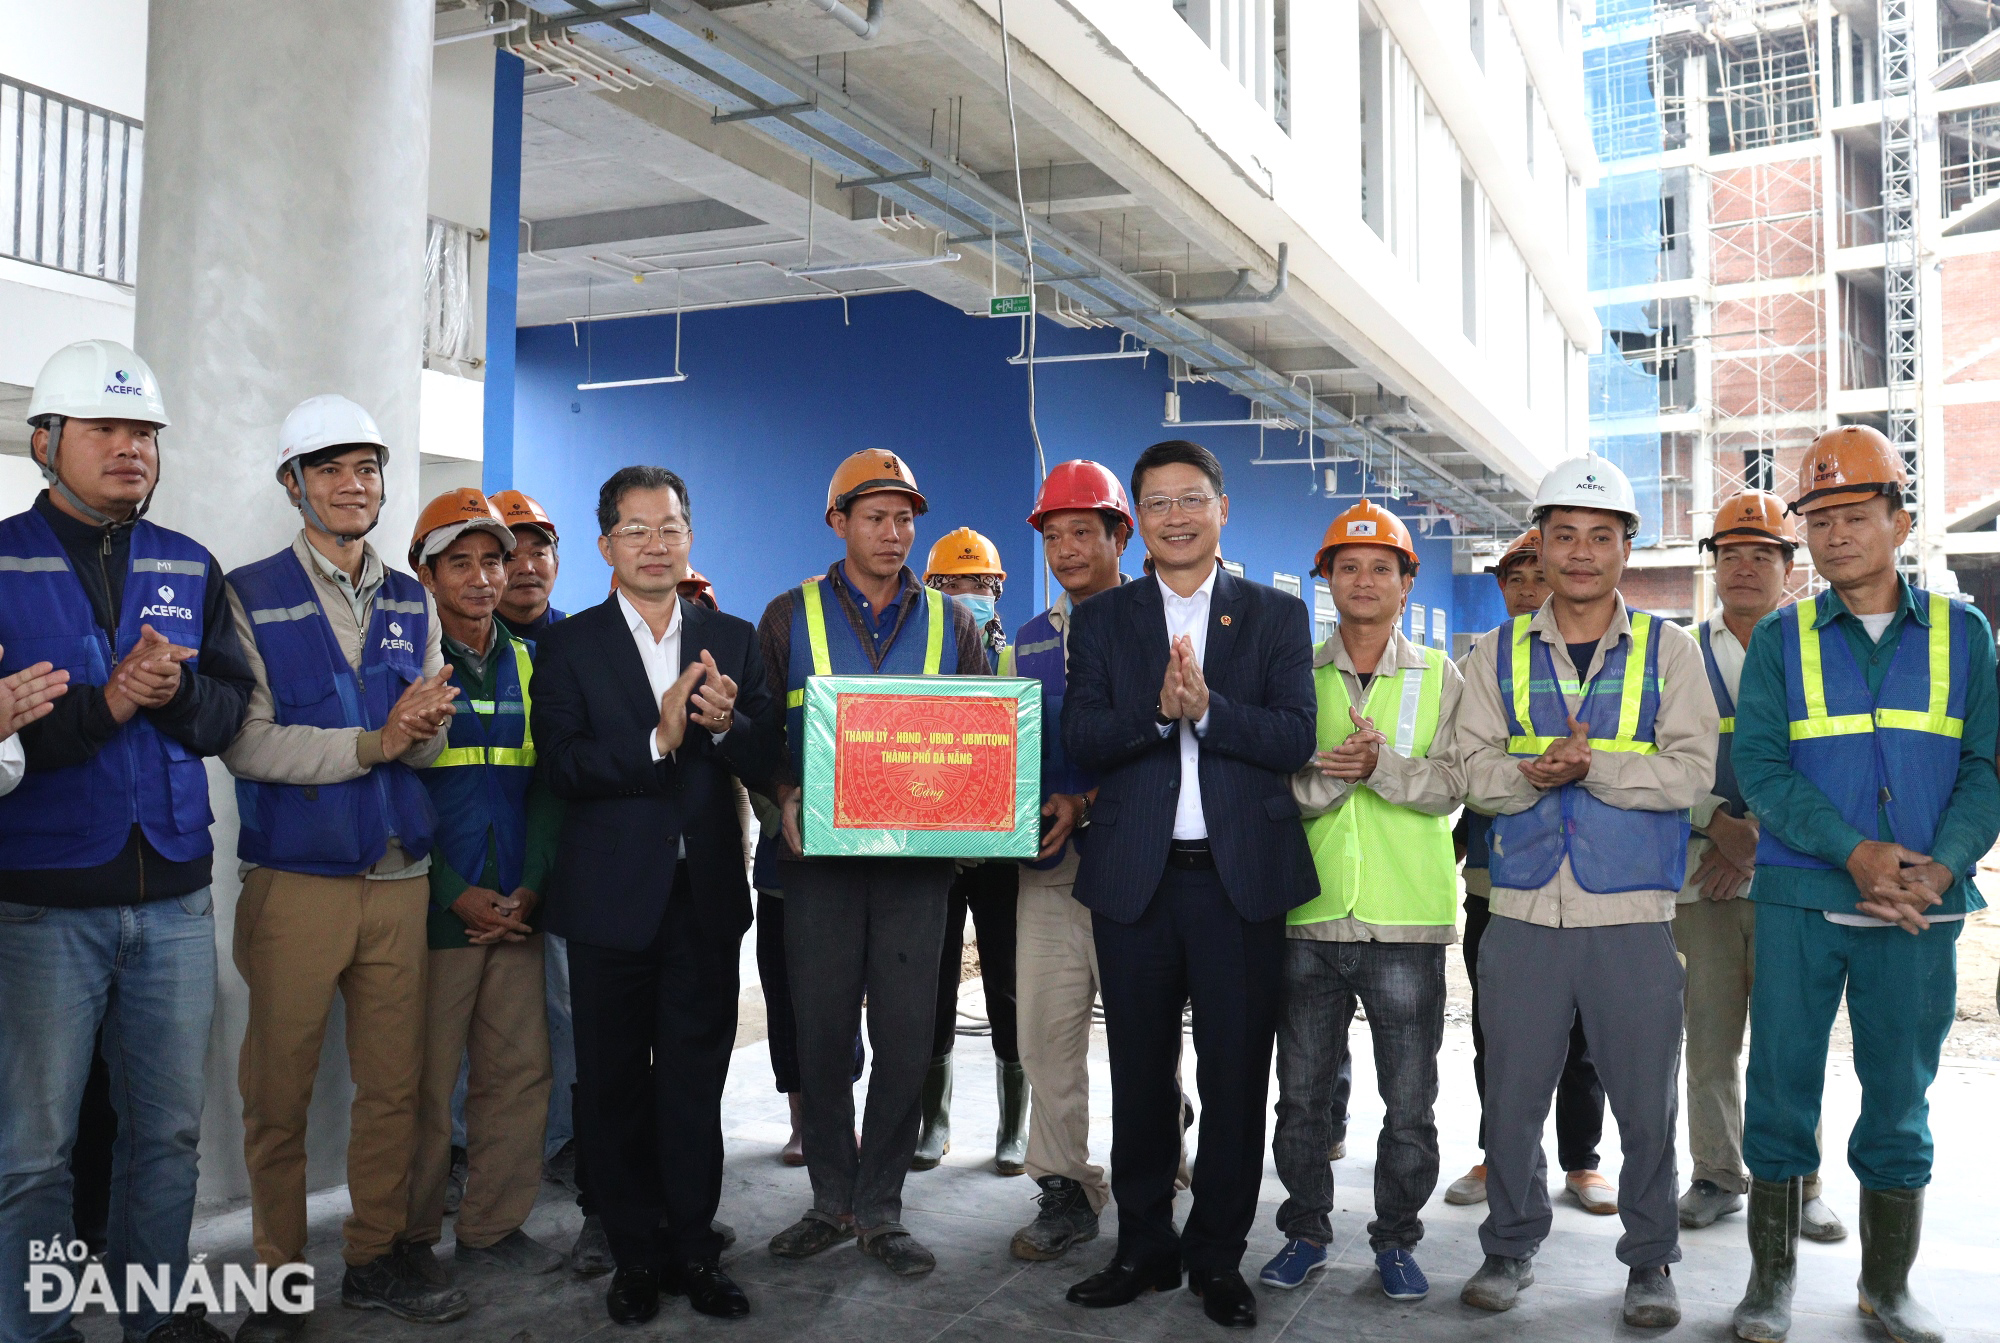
[
  {"x": 1010, "y": 1146},
  {"x": 1892, "y": 1223},
  {"x": 1764, "y": 1315},
  {"x": 935, "y": 1138}
]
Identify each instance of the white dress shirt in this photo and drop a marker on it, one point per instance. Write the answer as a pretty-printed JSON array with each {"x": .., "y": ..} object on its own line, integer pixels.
[
  {"x": 1189, "y": 616},
  {"x": 13, "y": 763},
  {"x": 661, "y": 657}
]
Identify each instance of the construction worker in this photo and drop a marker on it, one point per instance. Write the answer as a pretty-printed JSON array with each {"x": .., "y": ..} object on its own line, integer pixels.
[
  {"x": 1864, "y": 746},
  {"x": 1753, "y": 541},
  {"x": 532, "y": 565},
  {"x": 1588, "y": 731},
  {"x": 966, "y": 566},
  {"x": 855, "y": 924},
  {"x": 1085, "y": 522},
  {"x": 495, "y": 844},
  {"x": 1579, "y": 1095},
  {"x": 352, "y": 696},
  {"x": 1378, "y": 797},
  {"x": 119, "y": 671}
]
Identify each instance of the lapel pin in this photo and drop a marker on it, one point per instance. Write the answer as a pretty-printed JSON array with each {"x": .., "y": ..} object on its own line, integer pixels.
[{"x": 1225, "y": 620}]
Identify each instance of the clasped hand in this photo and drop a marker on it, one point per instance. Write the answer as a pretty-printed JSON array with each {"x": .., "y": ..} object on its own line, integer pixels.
[
  {"x": 1355, "y": 758},
  {"x": 1897, "y": 885},
  {"x": 1565, "y": 761},
  {"x": 491, "y": 917},
  {"x": 1183, "y": 690}
]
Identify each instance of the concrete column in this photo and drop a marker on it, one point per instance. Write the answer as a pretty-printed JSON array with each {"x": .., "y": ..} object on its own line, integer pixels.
[{"x": 281, "y": 255}]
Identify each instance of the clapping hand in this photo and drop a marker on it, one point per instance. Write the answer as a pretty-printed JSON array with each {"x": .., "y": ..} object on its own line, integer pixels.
[
  {"x": 714, "y": 705},
  {"x": 1355, "y": 758},
  {"x": 1194, "y": 686},
  {"x": 1564, "y": 762},
  {"x": 147, "y": 677},
  {"x": 674, "y": 708},
  {"x": 29, "y": 694},
  {"x": 419, "y": 713}
]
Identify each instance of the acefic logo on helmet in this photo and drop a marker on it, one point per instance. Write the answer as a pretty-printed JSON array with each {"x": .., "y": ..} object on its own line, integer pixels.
[
  {"x": 124, "y": 386},
  {"x": 892, "y": 466},
  {"x": 1827, "y": 472},
  {"x": 1590, "y": 482}
]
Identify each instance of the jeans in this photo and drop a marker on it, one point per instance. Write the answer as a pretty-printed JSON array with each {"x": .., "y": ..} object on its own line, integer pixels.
[
  {"x": 147, "y": 973},
  {"x": 855, "y": 925},
  {"x": 1401, "y": 985}
]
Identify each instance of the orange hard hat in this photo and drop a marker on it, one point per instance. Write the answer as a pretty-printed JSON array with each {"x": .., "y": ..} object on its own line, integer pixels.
[
  {"x": 450, "y": 516},
  {"x": 1526, "y": 546},
  {"x": 1081, "y": 484},
  {"x": 1367, "y": 524},
  {"x": 963, "y": 552},
  {"x": 518, "y": 510},
  {"x": 698, "y": 589},
  {"x": 1754, "y": 517},
  {"x": 872, "y": 471},
  {"x": 1849, "y": 465}
]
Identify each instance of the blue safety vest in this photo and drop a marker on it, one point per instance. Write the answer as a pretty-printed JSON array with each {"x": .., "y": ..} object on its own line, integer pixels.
[
  {"x": 1846, "y": 740},
  {"x": 82, "y": 816},
  {"x": 917, "y": 649},
  {"x": 1610, "y": 849},
  {"x": 332, "y": 829},
  {"x": 1726, "y": 786},
  {"x": 479, "y": 782},
  {"x": 1038, "y": 653}
]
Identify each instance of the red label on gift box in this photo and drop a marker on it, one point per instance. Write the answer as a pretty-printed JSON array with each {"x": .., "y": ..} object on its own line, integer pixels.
[{"x": 924, "y": 762}]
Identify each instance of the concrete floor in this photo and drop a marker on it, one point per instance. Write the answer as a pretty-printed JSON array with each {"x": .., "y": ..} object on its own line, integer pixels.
[{"x": 966, "y": 1214}]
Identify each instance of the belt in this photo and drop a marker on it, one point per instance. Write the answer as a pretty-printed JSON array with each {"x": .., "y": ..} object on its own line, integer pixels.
[{"x": 1191, "y": 855}]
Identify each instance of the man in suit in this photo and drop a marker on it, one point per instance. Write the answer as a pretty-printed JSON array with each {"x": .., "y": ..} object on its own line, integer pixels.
[
  {"x": 1191, "y": 697},
  {"x": 644, "y": 706}
]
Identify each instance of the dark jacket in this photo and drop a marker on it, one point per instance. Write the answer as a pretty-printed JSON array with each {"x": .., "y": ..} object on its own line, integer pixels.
[
  {"x": 627, "y": 816},
  {"x": 1258, "y": 664}
]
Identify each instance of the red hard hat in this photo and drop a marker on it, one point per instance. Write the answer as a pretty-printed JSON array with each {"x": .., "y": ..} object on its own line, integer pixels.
[{"x": 1081, "y": 484}]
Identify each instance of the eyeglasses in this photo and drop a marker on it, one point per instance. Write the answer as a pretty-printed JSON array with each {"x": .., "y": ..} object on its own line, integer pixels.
[
  {"x": 1159, "y": 505},
  {"x": 638, "y": 533}
]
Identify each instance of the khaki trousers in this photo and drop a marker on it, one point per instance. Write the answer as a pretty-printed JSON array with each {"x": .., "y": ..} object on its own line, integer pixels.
[
  {"x": 1055, "y": 984},
  {"x": 298, "y": 939},
  {"x": 1718, "y": 940},
  {"x": 487, "y": 1001}
]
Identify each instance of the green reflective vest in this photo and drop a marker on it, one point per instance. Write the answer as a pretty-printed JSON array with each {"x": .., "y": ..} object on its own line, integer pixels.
[{"x": 1378, "y": 862}]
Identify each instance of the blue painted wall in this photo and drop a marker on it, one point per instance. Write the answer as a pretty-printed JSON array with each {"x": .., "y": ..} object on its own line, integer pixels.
[{"x": 776, "y": 396}]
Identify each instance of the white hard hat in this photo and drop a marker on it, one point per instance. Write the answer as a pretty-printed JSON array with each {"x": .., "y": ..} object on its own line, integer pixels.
[
  {"x": 1589, "y": 481},
  {"x": 97, "y": 380},
  {"x": 327, "y": 421}
]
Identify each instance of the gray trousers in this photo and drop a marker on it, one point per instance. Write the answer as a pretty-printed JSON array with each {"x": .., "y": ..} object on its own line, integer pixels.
[
  {"x": 1401, "y": 985},
  {"x": 856, "y": 926},
  {"x": 1626, "y": 983}
]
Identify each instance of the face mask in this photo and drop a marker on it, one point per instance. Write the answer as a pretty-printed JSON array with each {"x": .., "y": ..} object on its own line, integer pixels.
[{"x": 981, "y": 608}]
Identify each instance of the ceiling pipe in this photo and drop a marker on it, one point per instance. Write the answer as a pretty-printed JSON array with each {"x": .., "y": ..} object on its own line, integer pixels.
[
  {"x": 848, "y": 19},
  {"x": 1241, "y": 293}
]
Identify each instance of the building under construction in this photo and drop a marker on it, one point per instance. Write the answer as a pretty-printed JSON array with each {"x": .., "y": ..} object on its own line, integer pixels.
[{"x": 1797, "y": 226}]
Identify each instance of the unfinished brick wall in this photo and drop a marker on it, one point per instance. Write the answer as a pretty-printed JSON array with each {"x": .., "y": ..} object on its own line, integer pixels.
[
  {"x": 1971, "y": 453},
  {"x": 1666, "y": 591},
  {"x": 1971, "y": 288},
  {"x": 1764, "y": 221}
]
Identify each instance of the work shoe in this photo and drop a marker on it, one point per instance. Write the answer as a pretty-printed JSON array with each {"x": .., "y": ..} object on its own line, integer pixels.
[
  {"x": 1498, "y": 1283},
  {"x": 1892, "y": 1224},
  {"x": 1065, "y": 1220},
  {"x": 591, "y": 1257},
  {"x": 1467, "y": 1189},
  {"x": 190, "y": 1326},
  {"x": 1704, "y": 1201},
  {"x": 1764, "y": 1315},
  {"x": 516, "y": 1252},
  {"x": 794, "y": 1151},
  {"x": 389, "y": 1283},
  {"x": 1819, "y": 1222},
  {"x": 1650, "y": 1299},
  {"x": 560, "y": 1169},
  {"x": 1402, "y": 1280},
  {"x": 1592, "y": 1192},
  {"x": 421, "y": 1260},
  {"x": 808, "y": 1236},
  {"x": 454, "y": 1185},
  {"x": 1010, "y": 1145},
  {"x": 272, "y": 1326},
  {"x": 724, "y": 1230},
  {"x": 1290, "y": 1267},
  {"x": 900, "y": 1252},
  {"x": 934, "y": 1139}
]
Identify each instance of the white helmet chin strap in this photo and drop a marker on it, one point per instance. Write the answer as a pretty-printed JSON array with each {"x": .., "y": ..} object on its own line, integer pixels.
[
  {"x": 53, "y": 424},
  {"x": 341, "y": 539}
]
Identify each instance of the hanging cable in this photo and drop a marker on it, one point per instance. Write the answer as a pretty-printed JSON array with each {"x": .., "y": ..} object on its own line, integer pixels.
[{"x": 1028, "y": 251}]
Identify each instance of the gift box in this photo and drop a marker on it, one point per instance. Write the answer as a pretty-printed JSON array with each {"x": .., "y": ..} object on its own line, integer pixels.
[{"x": 922, "y": 767}]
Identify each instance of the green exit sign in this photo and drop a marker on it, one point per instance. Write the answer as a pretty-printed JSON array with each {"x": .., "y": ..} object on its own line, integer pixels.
[{"x": 1010, "y": 305}]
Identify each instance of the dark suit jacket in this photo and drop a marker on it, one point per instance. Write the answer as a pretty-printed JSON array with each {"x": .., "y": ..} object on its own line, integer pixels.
[
  {"x": 627, "y": 815},
  {"x": 1261, "y": 711}
]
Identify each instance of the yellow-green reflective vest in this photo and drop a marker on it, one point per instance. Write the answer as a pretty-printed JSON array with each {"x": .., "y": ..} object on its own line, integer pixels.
[{"x": 1379, "y": 862}]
